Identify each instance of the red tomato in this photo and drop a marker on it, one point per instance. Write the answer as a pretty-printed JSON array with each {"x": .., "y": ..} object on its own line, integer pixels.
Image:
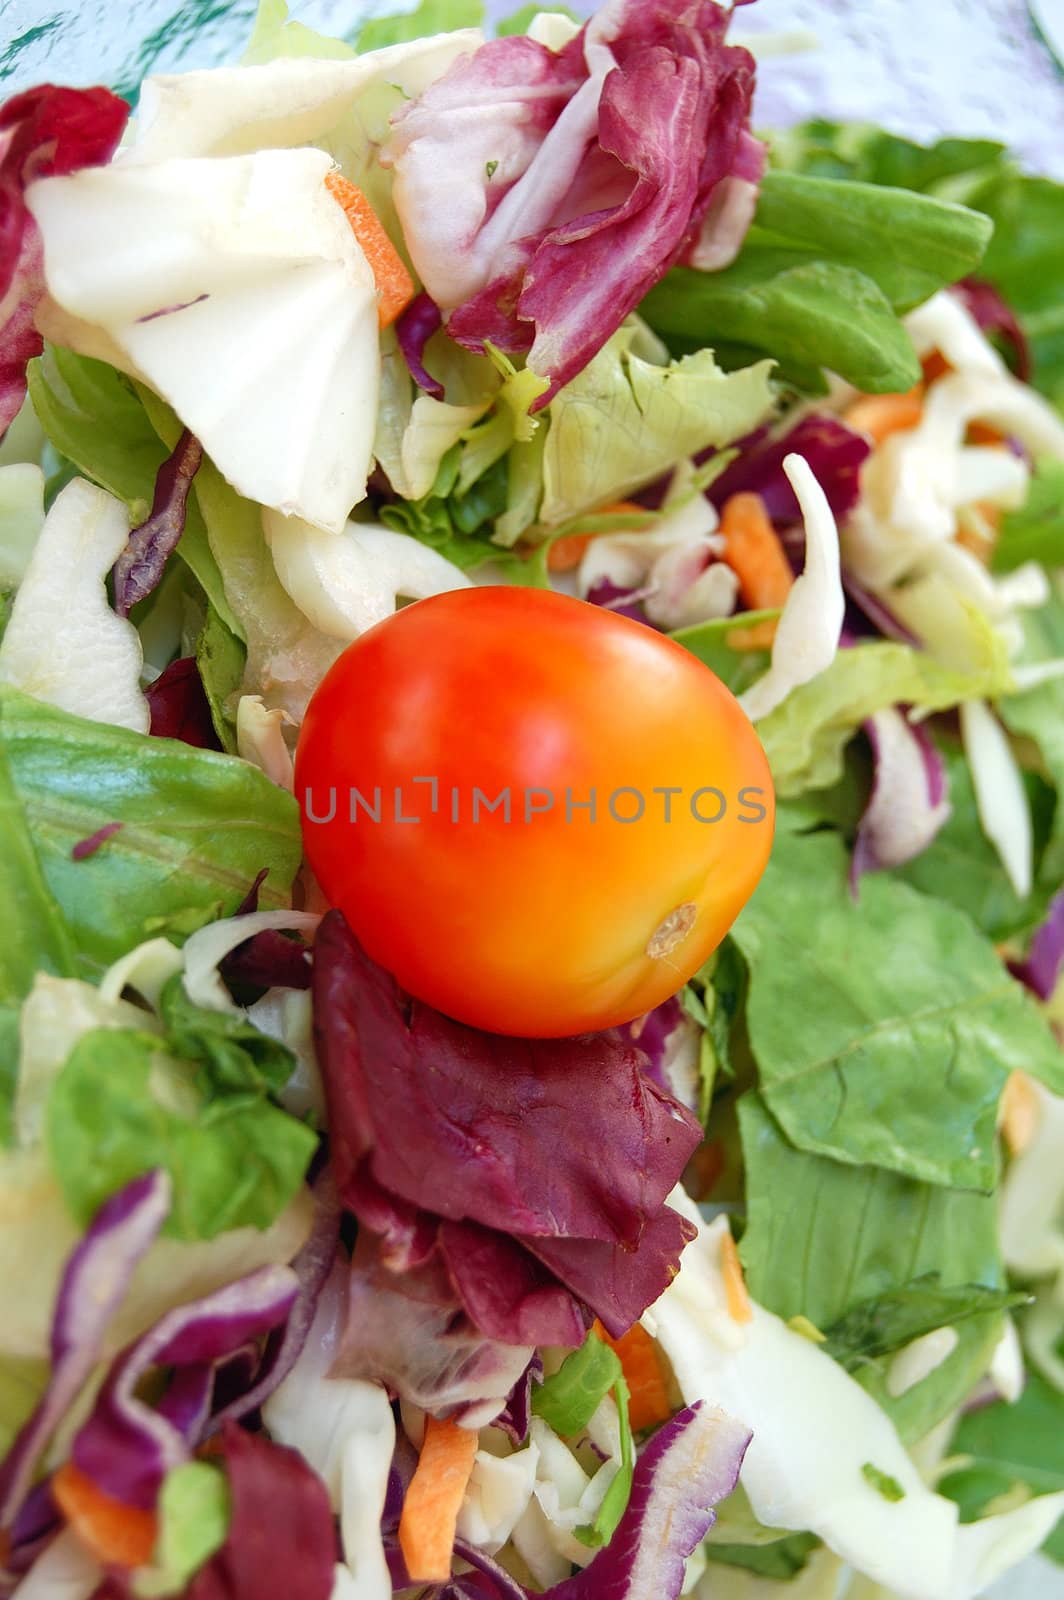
[{"x": 633, "y": 808}]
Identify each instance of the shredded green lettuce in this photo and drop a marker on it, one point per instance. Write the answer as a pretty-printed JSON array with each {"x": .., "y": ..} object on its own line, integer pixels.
[
  {"x": 431, "y": 16},
  {"x": 193, "y": 1512},
  {"x": 1036, "y": 531},
  {"x": 568, "y": 1400}
]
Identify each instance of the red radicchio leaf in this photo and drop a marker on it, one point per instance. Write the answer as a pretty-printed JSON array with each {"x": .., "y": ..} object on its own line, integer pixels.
[
  {"x": 269, "y": 959},
  {"x": 45, "y": 132},
  {"x": 601, "y": 200},
  {"x": 433, "y": 1120},
  {"x": 141, "y": 564},
  {"x": 281, "y": 1541},
  {"x": 995, "y": 315},
  {"x": 179, "y": 706}
]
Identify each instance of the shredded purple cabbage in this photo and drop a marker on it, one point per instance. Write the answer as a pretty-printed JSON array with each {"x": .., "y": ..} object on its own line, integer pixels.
[
  {"x": 421, "y": 319},
  {"x": 140, "y": 567},
  {"x": 1044, "y": 963},
  {"x": 93, "y": 1286},
  {"x": 834, "y": 452},
  {"x": 902, "y": 817}
]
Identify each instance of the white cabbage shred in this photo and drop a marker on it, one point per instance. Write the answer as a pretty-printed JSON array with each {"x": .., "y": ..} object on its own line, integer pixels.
[{"x": 63, "y": 644}]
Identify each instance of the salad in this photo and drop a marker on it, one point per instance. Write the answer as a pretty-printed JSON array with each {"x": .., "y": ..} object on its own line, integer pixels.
[{"x": 427, "y": 1170}]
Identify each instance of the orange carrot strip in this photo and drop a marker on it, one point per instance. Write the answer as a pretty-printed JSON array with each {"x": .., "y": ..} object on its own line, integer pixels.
[
  {"x": 117, "y": 1534},
  {"x": 1020, "y": 1112},
  {"x": 753, "y": 550},
  {"x": 394, "y": 283},
  {"x": 648, "y": 1390},
  {"x": 880, "y": 415},
  {"x": 762, "y": 636},
  {"x": 935, "y": 366},
  {"x": 983, "y": 433},
  {"x": 739, "y": 1307},
  {"x": 430, "y": 1510},
  {"x": 567, "y": 553}
]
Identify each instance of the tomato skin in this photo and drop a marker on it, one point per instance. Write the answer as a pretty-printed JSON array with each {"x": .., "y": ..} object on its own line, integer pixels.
[{"x": 561, "y": 923}]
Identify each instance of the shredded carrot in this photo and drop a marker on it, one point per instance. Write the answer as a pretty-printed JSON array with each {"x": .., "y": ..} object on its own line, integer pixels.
[
  {"x": 753, "y": 550},
  {"x": 430, "y": 1510},
  {"x": 935, "y": 366},
  {"x": 739, "y": 1307},
  {"x": 978, "y": 526},
  {"x": 983, "y": 433},
  {"x": 117, "y": 1535},
  {"x": 648, "y": 1389},
  {"x": 568, "y": 552},
  {"x": 395, "y": 286},
  {"x": 880, "y": 415},
  {"x": 1020, "y": 1112}
]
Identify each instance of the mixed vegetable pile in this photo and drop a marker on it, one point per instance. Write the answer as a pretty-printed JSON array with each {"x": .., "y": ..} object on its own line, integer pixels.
[{"x": 310, "y": 1287}]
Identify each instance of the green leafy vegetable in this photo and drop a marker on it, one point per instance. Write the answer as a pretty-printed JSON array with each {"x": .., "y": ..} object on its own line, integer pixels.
[
  {"x": 883, "y": 1028},
  {"x": 887, "y": 1486},
  {"x": 715, "y": 644},
  {"x": 193, "y": 1512},
  {"x": 824, "y": 1237},
  {"x": 570, "y": 1397},
  {"x": 458, "y": 525},
  {"x": 275, "y": 34},
  {"x": 121, "y": 1106},
  {"x": 196, "y": 827},
  {"x": 886, "y": 1323},
  {"x": 220, "y": 657},
  {"x": 431, "y": 16},
  {"x": 1036, "y": 531},
  {"x": 782, "y": 1559},
  {"x": 1038, "y": 714},
  {"x": 820, "y": 281},
  {"x": 234, "y": 1054},
  {"x": 1010, "y": 1448},
  {"x": 22, "y": 1382},
  {"x": 624, "y": 421},
  {"x": 568, "y": 1400},
  {"x": 1021, "y": 260},
  {"x": 804, "y": 738}
]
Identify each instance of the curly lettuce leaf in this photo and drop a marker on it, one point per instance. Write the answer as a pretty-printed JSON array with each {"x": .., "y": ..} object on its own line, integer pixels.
[
  {"x": 806, "y": 736},
  {"x": 121, "y": 1106},
  {"x": 196, "y": 828},
  {"x": 845, "y": 1024},
  {"x": 431, "y": 16},
  {"x": 824, "y": 1239},
  {"x": 625, "y": 421}
]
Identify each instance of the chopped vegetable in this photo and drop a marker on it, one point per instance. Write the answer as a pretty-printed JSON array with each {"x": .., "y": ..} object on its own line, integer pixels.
[
  {"x": 649, "y": 1402},
  {"x": 117, "y": 1534},
  {"x": 430, "y": 1509},
  {"x": 395, "y": 287},
  {"x": 881, "y": 415},
  {"x": 739, "y": 1307}
]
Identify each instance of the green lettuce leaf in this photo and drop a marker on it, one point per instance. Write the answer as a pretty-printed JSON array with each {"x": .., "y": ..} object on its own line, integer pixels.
[
  {"x": 883, "y": 1028},
  {"x": 196, "y": 828},
  {"x": 804, "y": 738},
  {"x": 886, "y": 1323},
  {"x": 431, "y": 16},
  {"x": 275, "y": 34},
  {"x": 624, "y": 421},
  {"x": 782, "y": 1559},
  {"x": 820, "y": 281},
  {"x": 457, "y": 524},
  {"x": 1036, "y": 531},
  {"x": 824, "y": 1237},
  {"x": 712, "y": 643},
  {"x": 235, "y": 1056},
  {"x": 121, "y": 1106},
  {"x": 1007, "y": 1449},
  {"x": 1038, "y": 715},
  {"x": 1021, "y": 259},
  {"x": 193, "y": 1512}
]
